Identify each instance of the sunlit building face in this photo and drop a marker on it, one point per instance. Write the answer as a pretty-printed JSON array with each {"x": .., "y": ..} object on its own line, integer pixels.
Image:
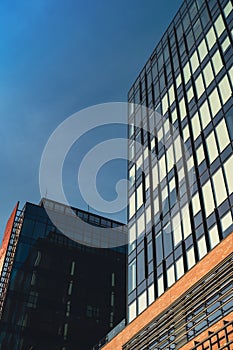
[{"x": 180, "y": 168}]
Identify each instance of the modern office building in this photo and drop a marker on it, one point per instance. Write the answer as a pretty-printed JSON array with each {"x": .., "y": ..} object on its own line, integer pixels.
[
  {"x": 55, "y": 292},
  {"x": 180, "y": 275}
]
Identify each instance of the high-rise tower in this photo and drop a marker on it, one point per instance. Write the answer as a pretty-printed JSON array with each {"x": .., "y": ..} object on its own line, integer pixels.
[
  {"x": 181, "y": 181},
  {"x": 181, "y": 187}
]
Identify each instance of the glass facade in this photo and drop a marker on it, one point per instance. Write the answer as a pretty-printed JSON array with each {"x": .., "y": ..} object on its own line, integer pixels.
[
  {"x": 180, "y": 193},
  {"x": 55, "y": 291},
  {"x": 207, "y": 302}
]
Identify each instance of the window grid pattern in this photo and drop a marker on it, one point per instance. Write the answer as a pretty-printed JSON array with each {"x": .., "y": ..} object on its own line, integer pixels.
[
  {"x": 210, "y": 300},
  {"x": 189, "y": 80},
  {"x": 34, "y": 251}
]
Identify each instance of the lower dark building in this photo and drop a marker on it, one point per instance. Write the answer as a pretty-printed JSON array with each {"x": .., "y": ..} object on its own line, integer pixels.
[{"x": 55, "y": 292}]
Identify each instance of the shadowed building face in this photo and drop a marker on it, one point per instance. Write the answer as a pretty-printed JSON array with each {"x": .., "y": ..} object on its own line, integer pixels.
[{"x": 59, "y": 293}]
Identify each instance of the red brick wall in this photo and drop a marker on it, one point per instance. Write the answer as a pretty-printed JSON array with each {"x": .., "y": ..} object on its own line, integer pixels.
[
  {"x": 219, "y": 253},
  {"x": 214, "y": 328},
  {"x": 6, "y": 236}
]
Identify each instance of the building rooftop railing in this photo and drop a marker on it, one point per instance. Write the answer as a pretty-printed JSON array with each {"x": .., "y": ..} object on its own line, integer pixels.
[{"x": 110, "y": 335}]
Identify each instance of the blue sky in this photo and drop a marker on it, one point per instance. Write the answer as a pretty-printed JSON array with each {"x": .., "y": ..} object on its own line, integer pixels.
[{"x": 58, "y": 57}]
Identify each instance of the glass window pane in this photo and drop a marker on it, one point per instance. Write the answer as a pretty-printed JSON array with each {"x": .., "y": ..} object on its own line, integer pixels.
[
  {"x": 193, "y": 10},
  {"x": 141, "y": 224},
  {"x": 186, "y": 134},
  {"x": 219, "y": 187},
  {"x": 132, "y": 237},
  {"x": 194, "y": 62},
  {"x": 139, "y": 163},
  {"x": 196, "y": 126},
  {"x": 208, "y": 198},
  {"x": 160, "y": 134},
  {"x": 156, "y": 206},
  {"x": 151, "y": 294},
  {"x": 147, "y": 182},
  {"x": 208, "y": 74},
  {"x": 162, "y": 168},
  {"x": 142, "y": 302},
  {"x": 170, "y": 275},
  {"x": 172, "y": 185},
  {"x": 215, "y": 104},
  {"x": 190, "y": 40},
  {"x": 196, "y": 204},
  {"x": 222, "y": 135},
  {"x": 200, "y": 154},
  {"x": 199, "y": 86},
  {"x": 205, "y": 18},
  {"x": 231, "y": 72},
  {"x": 197, "y": 30},
  {"x": 228, "y": 8},
  {"x": 165, "y": 104},
  {"x": 177, "y": 147},
  {"x": 155, "y": 176},
  {"x": 166, "y": 127},
  {"x": 182, "y": 109},
  {"x": 131, "y": 126},
  {"x": 164, "y": 199},
  {"x": 190, "y": 164},
  {"x": 140, "y": 267},
  {"x": 187, "y": 72},
  {"x": 217, "y": 62},
  {"x": 190, "y": 93},
  {"x": 211, "y": 38},
  {"x": 212, "y": 147},
  {"x": 131, "y": 151},
  {"x": 179, "y": 267},
  {"x": 132, "y": 276},
  {"x": 181, "y": 174},
  {"x": 132, "y": 176},
  {"x": 186, "y": 222},
  {"x": 205, "y": 114},
  {"x": 171, "y": 95},
  {"x": 178, "y": 81},
  {"x": 228, "y": 166},
  {"x": 201, "y": 244},
  {"x": 190, "y": 257},
  {"x": 160, "y": 285},
  {"x": 170, "y": 158},
  {"x": 226, "y": 221},
  {"x": 174, "y": 116},
  {"x": 132, "y": 311},
  {"x": 225, "y": 89},
  {"x": 214, "y": 237},
  {"x": 132, "y": 205},
  {"x": 202, "y": 49},
  {"x": 219, "y": 25},
  {"x": 139, "y": 196},
  {"x": 148, "y": 215},
  {"x": 173, "y": 196},
  {"x": 177, "y": 235},
  {"x": 167, "y": 240},
  {"x": 159, "y": 248},
  {"x": 226, "y": 44}
]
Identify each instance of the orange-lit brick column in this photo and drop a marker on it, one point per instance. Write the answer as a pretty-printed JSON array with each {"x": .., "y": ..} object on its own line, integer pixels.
[
  {"x": 211, "y": 260},
  {"x": 7, "y": 234}
]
